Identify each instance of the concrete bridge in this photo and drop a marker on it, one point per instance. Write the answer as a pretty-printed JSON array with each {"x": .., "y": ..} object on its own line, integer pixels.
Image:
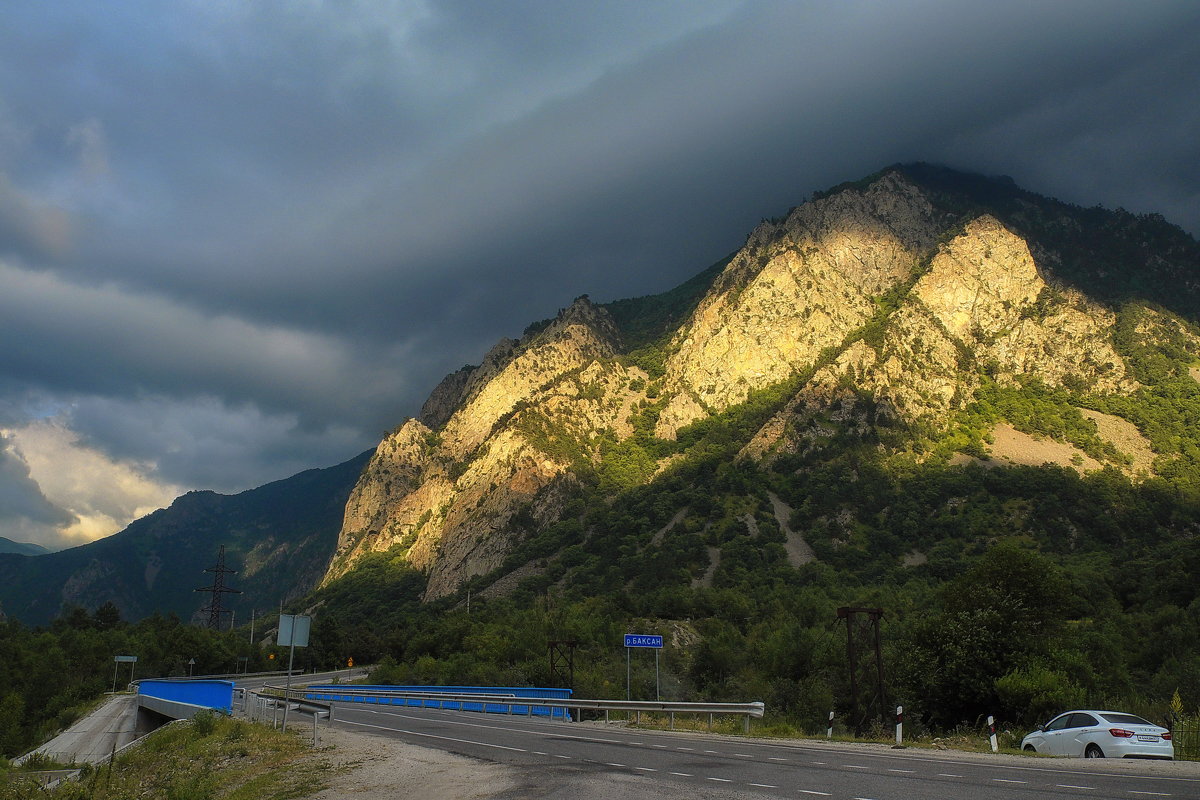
[{"x": 124, "y": 718}]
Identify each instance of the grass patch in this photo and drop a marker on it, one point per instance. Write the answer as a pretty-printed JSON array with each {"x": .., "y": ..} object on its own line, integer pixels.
[{"x": 214, "y": 758}]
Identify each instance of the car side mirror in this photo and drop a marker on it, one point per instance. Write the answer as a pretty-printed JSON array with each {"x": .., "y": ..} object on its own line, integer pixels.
[{"x": 1041, "y": 727}]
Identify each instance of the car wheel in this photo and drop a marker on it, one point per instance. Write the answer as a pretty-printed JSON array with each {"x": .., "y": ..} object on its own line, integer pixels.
[
  {"x": 1030, "y": 748},
  {"x": 1093, "y": 752}
]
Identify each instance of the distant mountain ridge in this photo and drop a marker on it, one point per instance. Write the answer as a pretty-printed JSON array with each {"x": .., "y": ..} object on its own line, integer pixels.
[
  {"x": 21, "y": 548},
  {"x": 279, "y": 537}
]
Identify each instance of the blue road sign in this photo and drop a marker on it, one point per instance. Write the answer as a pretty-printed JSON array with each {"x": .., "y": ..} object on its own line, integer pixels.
[{"x": 640, "y": 640}]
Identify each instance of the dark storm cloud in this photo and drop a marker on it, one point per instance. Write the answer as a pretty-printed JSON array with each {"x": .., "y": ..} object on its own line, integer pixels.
[{"x": 289, "y": 220}]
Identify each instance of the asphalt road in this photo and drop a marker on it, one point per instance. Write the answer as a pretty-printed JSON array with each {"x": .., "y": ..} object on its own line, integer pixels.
[
  {"x": 259, "y": 681},
  {"x": 582, "y": 761}
]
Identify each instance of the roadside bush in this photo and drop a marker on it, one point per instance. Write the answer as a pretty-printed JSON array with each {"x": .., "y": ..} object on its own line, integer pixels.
[
  {"x": 204, "y": 722},
  {"x": 1034, "y": 694}
]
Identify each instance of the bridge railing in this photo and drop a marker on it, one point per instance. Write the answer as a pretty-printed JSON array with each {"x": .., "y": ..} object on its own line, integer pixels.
[{"x": 510, "y": 704}]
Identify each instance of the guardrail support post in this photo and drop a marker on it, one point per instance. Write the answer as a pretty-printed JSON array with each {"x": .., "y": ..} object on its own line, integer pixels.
[
  {"x": 710, "y": 716},
  {"x": 747, "y": 726},
  {"x": 672, "y": 720}
]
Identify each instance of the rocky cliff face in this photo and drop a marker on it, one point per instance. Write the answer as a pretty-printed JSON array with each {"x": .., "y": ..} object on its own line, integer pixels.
[
  {"x": 886, "y": 302},
  {"x": 454, "y": 500},
  {"x": 796, "y": 288}
]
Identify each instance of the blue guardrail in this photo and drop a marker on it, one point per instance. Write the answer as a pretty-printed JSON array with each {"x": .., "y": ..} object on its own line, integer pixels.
[
  {"x": 330, "y": 692},
  {"x": 211, "y": 694}
]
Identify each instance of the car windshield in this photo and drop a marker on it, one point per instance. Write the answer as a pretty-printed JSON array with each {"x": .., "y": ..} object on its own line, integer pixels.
[{"x": 1125, "y": 719}]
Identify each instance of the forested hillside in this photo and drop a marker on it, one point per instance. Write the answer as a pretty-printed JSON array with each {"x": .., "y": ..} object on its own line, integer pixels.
[{"x": 278, "y": 538}]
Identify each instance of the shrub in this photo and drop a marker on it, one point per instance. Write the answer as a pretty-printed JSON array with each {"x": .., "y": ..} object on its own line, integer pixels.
[
  {"x": 204, "y": 722},
  {"x": 1034, "y": 694}
]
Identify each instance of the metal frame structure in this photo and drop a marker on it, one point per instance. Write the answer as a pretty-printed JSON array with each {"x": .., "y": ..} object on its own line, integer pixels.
[{"x": 218, "y": 588}]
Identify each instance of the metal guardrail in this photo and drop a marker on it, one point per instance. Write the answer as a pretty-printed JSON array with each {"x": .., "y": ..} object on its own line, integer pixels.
[
  {"x": 262, "y": 702},
  {"x": 458, "y": 701}
]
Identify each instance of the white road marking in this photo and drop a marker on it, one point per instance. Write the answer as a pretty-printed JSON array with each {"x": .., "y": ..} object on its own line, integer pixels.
[
  {"x": 683, "y": 774},
  {"x": 948, "y": 775},
  {"x": 660, "y": 746},
  {"x": 854, "y": 766},
  {"x": 1072, "y": 786},
  {"x": 714, "y": 752},
  {"x": 721, "y": 780},
  {"x": 685, "y": 748},
  {"x": 611, "y": 764},
  {"x": 539, "y": 753},
  {"x": 1007, "y": 780},
  {"x": 810, "y": 791},
  {"x": 774, "y": 758},
  {"x": 764, "y": 785},
  {"x": 645, "y": 769},
  {"x": 1155, "y": 794},
  {"x": 909, "y": 771},
  {"x": 431, "y": 736},
  {"x": 556, "y": 755},
  {"x": 743, "y": 755}
]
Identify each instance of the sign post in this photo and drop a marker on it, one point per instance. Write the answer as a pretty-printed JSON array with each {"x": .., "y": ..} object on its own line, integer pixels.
[
  {"x": 293, "y": 633},
  {"x": 642, "y": 640}
]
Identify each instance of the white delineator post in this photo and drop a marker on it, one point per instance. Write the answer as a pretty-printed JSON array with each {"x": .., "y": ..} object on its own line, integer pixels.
[
  {"x": 829, "y": 730},
  {"x": 899, "y": 724},
  {"x": 992, "y": 733}
]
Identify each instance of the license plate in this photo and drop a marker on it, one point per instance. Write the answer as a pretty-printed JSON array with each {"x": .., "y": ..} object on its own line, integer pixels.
[{"x": 1144, "y": 738}]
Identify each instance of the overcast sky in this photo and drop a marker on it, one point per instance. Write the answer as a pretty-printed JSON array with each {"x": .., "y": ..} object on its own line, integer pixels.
[{"x": 241, "y": 239}]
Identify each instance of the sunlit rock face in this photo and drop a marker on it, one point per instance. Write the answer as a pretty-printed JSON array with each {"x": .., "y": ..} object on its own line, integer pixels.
[
  {"x": 876, "y": 303},
  {"x": 448, "y": 498},
  {"x": 797, "y": 287}
]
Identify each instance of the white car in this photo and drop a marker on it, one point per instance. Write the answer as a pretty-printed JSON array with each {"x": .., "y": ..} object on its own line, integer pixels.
[{"x": 1100, "y": 734}]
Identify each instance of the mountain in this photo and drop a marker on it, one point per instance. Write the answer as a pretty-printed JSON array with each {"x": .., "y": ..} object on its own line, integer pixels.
[
  {"x": 21, "y": 548},
  {"x": 925, "y": 392},
  {"x": 279, "y": 538},
  {"x": 894, "y": 304}
]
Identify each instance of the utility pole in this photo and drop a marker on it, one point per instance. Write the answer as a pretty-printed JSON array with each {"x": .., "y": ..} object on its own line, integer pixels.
[
  {"x": 873, "y": 615},
  {"x": 217, "y": 589}
]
